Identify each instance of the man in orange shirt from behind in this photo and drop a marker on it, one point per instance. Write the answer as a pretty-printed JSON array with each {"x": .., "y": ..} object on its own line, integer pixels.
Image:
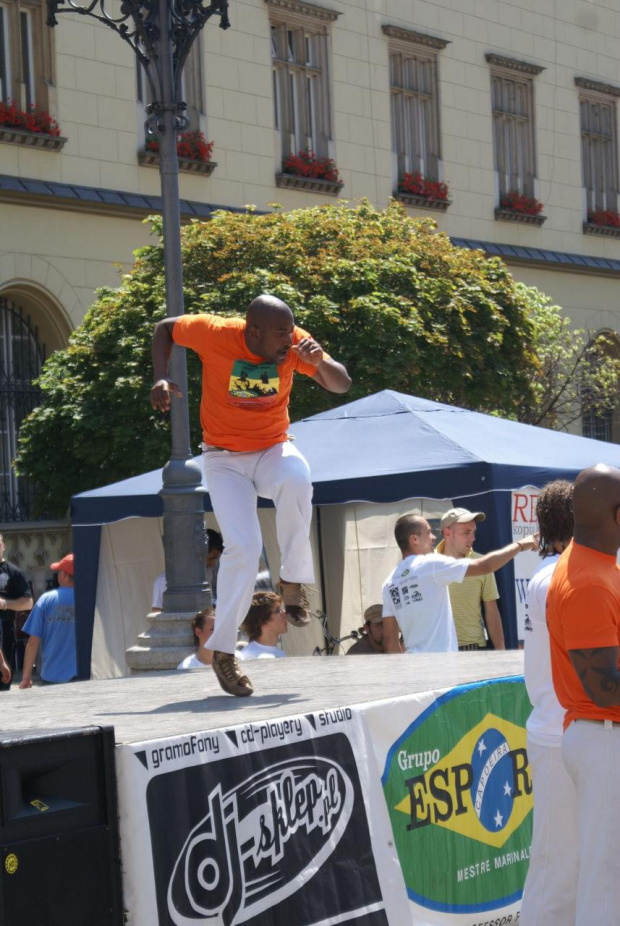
[
  {"x": 248, "y": 367},
  {"x": 583, "y": 615}
]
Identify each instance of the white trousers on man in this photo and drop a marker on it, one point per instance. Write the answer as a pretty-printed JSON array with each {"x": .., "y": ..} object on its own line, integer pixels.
[
  {"x": 591, "y": 753},
  {"x": 234, "y": 481},
  {"x": 551, "y": 883}
]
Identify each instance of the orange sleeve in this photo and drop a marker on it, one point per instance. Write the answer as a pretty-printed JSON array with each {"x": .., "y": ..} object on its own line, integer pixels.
[
  {"x": 191, "y": 331},
  {"x": 590, "y": 619},
  {"x": 301, "y": 366}
]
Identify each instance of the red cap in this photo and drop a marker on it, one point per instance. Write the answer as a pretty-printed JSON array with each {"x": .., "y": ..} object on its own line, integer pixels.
[{"x": 66, "y": 564}]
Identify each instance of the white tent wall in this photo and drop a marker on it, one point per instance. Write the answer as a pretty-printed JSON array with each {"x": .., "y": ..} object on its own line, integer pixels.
[
  {"x": 359, "y": 551},
  {"x": 132, "y": 556}
]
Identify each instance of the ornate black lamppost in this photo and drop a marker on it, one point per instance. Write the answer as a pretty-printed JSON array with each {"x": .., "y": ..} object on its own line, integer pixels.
[{"x": 161, "y": 33}]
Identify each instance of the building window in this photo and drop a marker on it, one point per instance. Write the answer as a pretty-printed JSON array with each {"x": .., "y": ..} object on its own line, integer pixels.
[
  {"x": 599, "y": 144},
  {"x": 598, "y": 424},
  {"x": 512, "y": 100},
  {"x": 26, "y": 59},
  {"x": 603, "y": 423},
  {"x": 414, "y": 92},
  {"x": 300, "y": 63},
  {"x": 192, "y": 88},
  {"x": 21, "y": 358}
]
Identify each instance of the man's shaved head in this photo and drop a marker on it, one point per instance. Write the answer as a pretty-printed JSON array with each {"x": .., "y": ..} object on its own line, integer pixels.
[
  {"x": 413, "y": 534},
  {"x": 406, "y": 525},
  {"x": 265, "y": 309},
  {"x": 596, "y": 507},
  {"x": 269, "y": 328}
]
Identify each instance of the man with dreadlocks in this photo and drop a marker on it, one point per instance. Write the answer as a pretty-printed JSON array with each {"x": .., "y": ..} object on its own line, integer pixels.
[{"x": 550, "y": 887}]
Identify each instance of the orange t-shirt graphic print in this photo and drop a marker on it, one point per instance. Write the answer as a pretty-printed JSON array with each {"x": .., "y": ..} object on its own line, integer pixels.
[
  {"x": 244, "y": 405},
  {"x": 252, "y": 383}
]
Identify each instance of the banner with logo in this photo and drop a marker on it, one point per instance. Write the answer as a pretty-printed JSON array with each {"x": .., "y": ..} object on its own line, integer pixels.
[
  {"x": 281, "y": 822},
  {"x": 524, "y": 523},
  {"x": 458, "y": 790}
]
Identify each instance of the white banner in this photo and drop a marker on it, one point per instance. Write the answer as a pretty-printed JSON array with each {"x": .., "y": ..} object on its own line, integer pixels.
[
  {"x": 221, "y": 827},
  {"x": 524, "y": 523}
]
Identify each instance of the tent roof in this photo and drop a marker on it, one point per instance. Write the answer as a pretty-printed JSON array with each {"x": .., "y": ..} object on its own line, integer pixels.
[{"x": 390, "y": 446}]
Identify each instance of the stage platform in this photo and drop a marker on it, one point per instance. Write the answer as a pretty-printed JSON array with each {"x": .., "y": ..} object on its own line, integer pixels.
[
  {"x": 163, "y": 704},
  {"x": 366, "y": 791}
]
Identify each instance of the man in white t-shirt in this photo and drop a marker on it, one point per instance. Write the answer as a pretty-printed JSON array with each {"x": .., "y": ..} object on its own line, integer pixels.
[
  {"x": 264, "y": 624},
  {"x": 549, "y": 896},
  {"x": 415, "y": 594}
]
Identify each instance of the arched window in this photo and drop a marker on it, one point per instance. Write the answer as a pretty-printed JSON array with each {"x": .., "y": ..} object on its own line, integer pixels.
[{"x": 21, "y": 358}]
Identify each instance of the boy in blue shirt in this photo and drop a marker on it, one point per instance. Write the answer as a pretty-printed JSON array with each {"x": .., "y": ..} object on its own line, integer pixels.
[{"x": 51, "y": 625}]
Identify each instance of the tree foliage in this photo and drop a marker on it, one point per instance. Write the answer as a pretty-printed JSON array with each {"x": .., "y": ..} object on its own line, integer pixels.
[
  {"x": 577, "y": 372},
  {"x": 395, "y": 301}
]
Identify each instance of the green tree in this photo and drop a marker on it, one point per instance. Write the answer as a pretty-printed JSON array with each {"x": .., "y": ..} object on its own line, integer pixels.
[
  {"x": 387, "y": 295},
  {"x": 577, "y": 372}
]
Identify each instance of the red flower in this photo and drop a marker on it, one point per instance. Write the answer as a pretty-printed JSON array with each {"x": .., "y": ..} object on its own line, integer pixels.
[
  {"x": 31, "y": 120},
  {"x": 517, "y": 202},
  {"x": 306, "y": 164},
  {"x": 191, "y": 145},
  {"x": 604, "y": 217},
  {"x": 416, "y": 185}
]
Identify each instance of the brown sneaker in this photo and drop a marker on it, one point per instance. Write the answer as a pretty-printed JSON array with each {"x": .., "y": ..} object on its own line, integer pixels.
[
  {"x": 229, "y": 675},
  {"x": 295, "y": 603}
]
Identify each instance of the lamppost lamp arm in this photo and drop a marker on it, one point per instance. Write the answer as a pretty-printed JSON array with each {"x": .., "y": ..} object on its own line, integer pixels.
[{"x": 138, "y": 23}]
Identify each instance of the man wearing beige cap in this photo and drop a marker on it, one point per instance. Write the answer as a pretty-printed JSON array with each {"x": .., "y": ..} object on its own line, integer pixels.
[
  {"x": 475, "y": 593},
  {"x": 51, "y": 625},
  {"x": 415, "y": 594},
  {"x": 371, "y": 640}
]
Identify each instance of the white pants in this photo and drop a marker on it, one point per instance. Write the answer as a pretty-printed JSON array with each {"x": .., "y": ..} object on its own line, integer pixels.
[
  {"x": 234, "y": 481},
  {"x": 549, "y": 896},
  {"x": 591, "y": 753}
]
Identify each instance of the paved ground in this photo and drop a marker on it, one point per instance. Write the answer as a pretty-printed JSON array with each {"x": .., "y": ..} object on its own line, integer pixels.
[{"x": 162, "y": 704}]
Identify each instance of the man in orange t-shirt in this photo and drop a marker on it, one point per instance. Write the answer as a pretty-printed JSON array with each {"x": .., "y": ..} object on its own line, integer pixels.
[
  {"x": 583, "y": 615},
  {"x": 247, "y": 375}
]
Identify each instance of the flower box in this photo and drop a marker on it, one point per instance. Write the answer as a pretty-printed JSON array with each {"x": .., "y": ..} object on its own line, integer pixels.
[
  {"x": 311, "y": 184},
  {"x": 604, "y": 222},
  {"x": 193, "y": 152},
  {"x": 151, "y": 159},
  {"x": 423, "y": 202},
  {"x": 507, "y": 215},
  {"x": 32, "y": 127},
  {"x": 416, "y": 190},
  {"x": 14, "y": 136},
  {"x": 606, "y": 231},
  {"x": 516, "y": 207},
  {"x": 305, "y": 171}
]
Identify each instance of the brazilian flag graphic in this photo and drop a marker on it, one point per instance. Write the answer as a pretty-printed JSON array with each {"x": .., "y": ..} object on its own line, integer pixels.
[{"x": 459, "y": 794}]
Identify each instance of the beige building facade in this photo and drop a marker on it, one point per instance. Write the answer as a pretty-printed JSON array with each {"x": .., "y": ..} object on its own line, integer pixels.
[{"x": 494, "y": 99}]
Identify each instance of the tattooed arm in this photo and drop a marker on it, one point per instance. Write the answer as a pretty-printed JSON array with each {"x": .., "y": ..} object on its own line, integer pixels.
[{"x": 598, "y": 672}]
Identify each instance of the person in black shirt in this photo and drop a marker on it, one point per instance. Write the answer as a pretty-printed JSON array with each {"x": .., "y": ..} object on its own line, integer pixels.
[{"x": 14, "y": 596}]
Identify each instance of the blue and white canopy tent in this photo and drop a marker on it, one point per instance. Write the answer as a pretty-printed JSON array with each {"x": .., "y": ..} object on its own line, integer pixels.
[{"x": 368, "y": 459}]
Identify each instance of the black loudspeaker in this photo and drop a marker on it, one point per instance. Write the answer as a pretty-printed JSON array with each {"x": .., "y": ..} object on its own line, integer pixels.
[{"x": 59, "y": 830}]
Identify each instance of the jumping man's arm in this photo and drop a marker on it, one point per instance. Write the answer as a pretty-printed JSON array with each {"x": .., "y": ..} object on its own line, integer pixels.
[
  {"x": 391, "y": 637},
  {"x": 330, "y": 374},
  {"x": 597, "y": 670},
  {"x": 161, "y": 349}
]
